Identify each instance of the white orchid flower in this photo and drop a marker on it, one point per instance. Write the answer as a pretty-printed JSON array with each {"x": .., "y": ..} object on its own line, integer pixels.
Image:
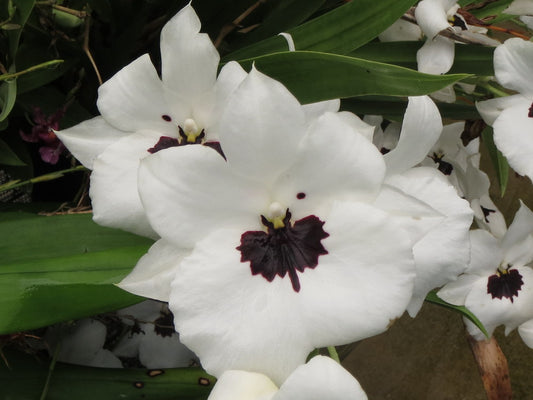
[
  {"x": 142, "y": 114},
  {"x": 498, "y": 284},
  {"x": 441, "y": 253},
  {"x": 512, "y": 117},
  {"x": 321, "y": 378},
  {"x": 287, "y": 242},
  {"x": 520, "y": 7}
]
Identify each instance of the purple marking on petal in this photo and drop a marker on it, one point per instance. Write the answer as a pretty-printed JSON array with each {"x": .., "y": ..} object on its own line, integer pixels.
[
  {"x": 216, "y": 146},
  {"x": 164, "y": 143},
  {"x": 530, "y": 113},
  {"x": 505, "y": 284},
  {"x": 289, "y": 249},
  {"x": 167, "y": 118},
  {"x": 443, "y": 166},
  {"x": 300, "y": 196}
]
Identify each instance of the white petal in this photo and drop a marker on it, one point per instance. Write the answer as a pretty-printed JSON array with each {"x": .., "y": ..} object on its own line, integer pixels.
[
  {"x": 491, "y": 109},
  {"x": 526, "y": 333},
  {"x": 512, "y": 137},
  {"x": 421, "y": 128},
  {"x": 520, "y": 7},
  {"x": 89, "y": 139},
  {"x": 431, "y": 16},
  {"x": 520, "y": 228},
  {"x": 414, "y": 215},
  {"x": 321, "y": 378},
  {"x": 113, "y": 190},
  {"x": 261, "y": 128},
  {"x": 486, "y": 253},
  {"x": 513, "y": 64},
  {"x": 235, "y": 320},
  {"x": 334, "y": 163},
  {"x": 357, "y": 124},
  {"x": 315, "y": 110},
  {"x": 189, "y": 190},
  {"x": 443, "y": 253},
  {"x": 455, "y": 292},
  {"x": 243, "y": 385},
  {"x": 446, "y": 94},
  {"x": 436, "y": 56},
  {"x": 153, "y": 273},
  {"x": 133, "y": 99},
  {"x": 230, "y": 77},
  {"x": 189, "y": 60},
  {"x": 494, "y": 311},
  {"x": 401, "y": 30},
  {"x": 528, "y": 21}
]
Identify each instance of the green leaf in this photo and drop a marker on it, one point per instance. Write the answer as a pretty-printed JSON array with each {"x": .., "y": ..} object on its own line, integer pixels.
[
  {"x": 23, "y": 10},
  {"x": 312, "y": 76},
  {"x": 61, "y": 267},
  {"x": 498, "y": 159},
  {"x": 433, "y": 298},
  {"x": 8, "y": 95},
  {"x": 8, "y": 156},
  {"x": 286, "y": 15},
  {"x": 26, "y": 378},
  {"x": 471, "y": 59},
  {"x": 339, "y": 31},
  {"x": 393, "y": 108}
]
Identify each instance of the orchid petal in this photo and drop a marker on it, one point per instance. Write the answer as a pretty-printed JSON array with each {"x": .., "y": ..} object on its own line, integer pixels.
[
  {"x": 513, "y": 65},
  {"x": 188, "y": 190},
  {"x": 520, "y": 7},
  {"x": 133, "y": 99},
  {"x": 222, "y": 310},
  {"x": 431, "y": 16},
  {"x": 353, "y": 171},
  {"x": 401, "y": 31},
  {"x": 261, "y": 128},
  {"x": 89, "y": 139},
  {"x": 520, "y": 228},
  {"x": 495, "y": 311},
  {"x": 436, "y": 56},
  {"x": 443, "y": 253},
  {"x": 314, "y": 110},
  {"x": 492, "y": 108},
  {"x": 486, "y": 253},
  {"x": 455, "y": 292},
  {"x": 153, "y": 273},
  {"x": 421, "y": 128},
  {"x": 113, "y": 189},
  {"x": 243, "y": 385},
  {"x": 526, "y": 333},
  {"x": 512, "y": 137},
  {"x": 186, "y": 69},
  {"x": 321, "y": 378}
]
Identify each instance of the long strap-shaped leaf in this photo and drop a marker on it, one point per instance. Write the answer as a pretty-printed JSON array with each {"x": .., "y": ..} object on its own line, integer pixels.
[
  {"x": 339, "y": 31},
  {"x": 26, "y": 377},
  {"x": 313, "y": 76},
  {"x": 61, "y": 267}
]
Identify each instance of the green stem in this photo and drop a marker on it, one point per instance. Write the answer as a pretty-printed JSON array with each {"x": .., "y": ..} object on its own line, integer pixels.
[
  {"x": 333, "y": 353},
  {"x": 5, "y": 77},
  {"x": 495, "y": 91},
  {"x": 43, "y": 178},
  {"x": 50, "y": 372}
]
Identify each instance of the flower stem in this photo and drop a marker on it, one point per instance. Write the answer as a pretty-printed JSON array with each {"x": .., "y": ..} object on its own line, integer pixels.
[
  {"x": 333, "y": 353},
  {"x": 44, "y": 393},
  {"x": 493, "y": 368},
  {"x": 43, "y": 178}
]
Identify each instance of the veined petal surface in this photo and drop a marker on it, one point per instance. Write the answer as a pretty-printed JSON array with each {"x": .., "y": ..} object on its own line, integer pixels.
[{"x": 513, "y": 65}]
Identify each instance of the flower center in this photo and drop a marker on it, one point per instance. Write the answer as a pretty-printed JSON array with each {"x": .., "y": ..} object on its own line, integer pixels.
[
  {"x": 505, "y": 283},
  {"x": 443, "y": 166},
  {"x": 188, "y": 134},
  {"x": 284, "y": 248}
]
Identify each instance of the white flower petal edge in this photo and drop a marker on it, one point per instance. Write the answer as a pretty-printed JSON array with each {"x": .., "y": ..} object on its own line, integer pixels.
[
  {"x": 89, "y": 139},
  {"x": 520, "y": 7},
  {"x": 154, "y": 272},
  {"x": 432, "y": 16},
  {"x": 436, "y": 56},
  {"x": 512, "y": 137},
  {"x": 491, "y": 109},
  {"x": 421, "y": 128},
  {"x": 513, "y": 65},
  {"x": 221, "y": 316},
  {"x": 321, "y": 378},
  {"x": 526, "y": 333}
]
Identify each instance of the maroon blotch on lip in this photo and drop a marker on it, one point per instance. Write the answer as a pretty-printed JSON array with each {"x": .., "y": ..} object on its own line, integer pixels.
[
  {"x": 505, "y": 285},
  {"x": 285, "y": 250}
]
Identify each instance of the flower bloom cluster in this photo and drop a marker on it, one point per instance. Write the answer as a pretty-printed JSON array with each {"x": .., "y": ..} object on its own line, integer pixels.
[{"x": 280, "y": 228}]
